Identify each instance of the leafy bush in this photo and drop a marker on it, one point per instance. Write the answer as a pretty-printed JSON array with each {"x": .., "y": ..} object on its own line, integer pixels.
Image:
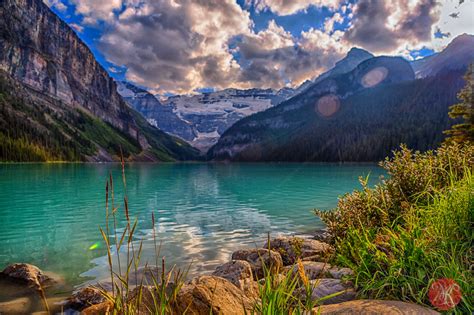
[
  {"x": 414, "y": 178},
  {"x": 414, "y": 228}
]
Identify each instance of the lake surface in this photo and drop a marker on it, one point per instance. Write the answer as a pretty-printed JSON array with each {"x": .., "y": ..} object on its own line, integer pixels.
[{"x": 50, "y": 213}]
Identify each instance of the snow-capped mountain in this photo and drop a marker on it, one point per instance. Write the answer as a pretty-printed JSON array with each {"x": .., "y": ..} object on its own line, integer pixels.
[{"x": 201, "y": 119}]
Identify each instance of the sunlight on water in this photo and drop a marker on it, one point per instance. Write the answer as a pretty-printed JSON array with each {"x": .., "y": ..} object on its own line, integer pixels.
[{"x": 51, "y": 214}]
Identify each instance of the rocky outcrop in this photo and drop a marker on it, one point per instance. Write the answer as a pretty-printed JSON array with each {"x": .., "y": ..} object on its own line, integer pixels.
[
  {"x": 27, "y": 274},
  {"x": 46, "y": 56},
  {"x": 373, "y": 307},
  {"x": 84, "y": 298},
  {"x": 238, "y": 272},
  {"x": 212, "y": 295},
  {"x": 261, "y": 260},
  {"x": 292, "y": 248}
]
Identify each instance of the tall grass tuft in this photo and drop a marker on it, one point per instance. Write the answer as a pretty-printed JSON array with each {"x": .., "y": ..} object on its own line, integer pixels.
[{"x": 154, "y": 289}]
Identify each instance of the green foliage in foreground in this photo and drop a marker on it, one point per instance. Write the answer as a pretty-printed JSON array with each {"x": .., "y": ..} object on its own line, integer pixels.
[
  {"x": 464, "y": 131},
  {"x": 411, "y": 230}
]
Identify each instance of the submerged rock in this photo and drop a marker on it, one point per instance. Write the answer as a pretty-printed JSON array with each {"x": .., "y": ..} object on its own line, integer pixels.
[
  {"x": 292, "y": 248},
  {"x": 84, "y": 298},
  {"x": 260, "y": 259},
  {"x": 27, "y": 274},
  {"x": 373, "y": 307},
  {"x": 20, "y": 305},
  {"x": 212, "y": 295}
]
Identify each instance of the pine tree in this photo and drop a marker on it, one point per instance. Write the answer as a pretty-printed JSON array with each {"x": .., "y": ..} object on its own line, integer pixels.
[{"x": 464, "y": 131}]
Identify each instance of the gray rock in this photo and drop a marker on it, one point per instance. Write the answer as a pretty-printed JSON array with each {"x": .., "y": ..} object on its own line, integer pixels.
[
  {"x": 291, "y": 248},
  {"x": 260, "y": 259},
  {"x": 340, "y": 273},
  {"x": 313, "y": 270},
  {"x": 322, "y": 288},
  {"x": 84, "y": 298},
  {"x": 239, "y": 272}
]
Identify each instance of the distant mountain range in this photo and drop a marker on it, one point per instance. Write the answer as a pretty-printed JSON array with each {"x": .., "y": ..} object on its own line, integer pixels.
[
  {"x": 58, "y": 103},
  {"x": 201, "y": 119},
  {"x": 359, "y": 115}
]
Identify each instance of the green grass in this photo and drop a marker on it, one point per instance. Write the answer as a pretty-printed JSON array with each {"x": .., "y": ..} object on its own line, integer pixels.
[{"x": 411, "y": 230}]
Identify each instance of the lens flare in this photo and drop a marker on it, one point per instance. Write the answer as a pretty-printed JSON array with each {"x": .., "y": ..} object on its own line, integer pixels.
[
  {"x": 94, "y": 246},
  {"x": 374, "y": 77},
  {"x": 328, "y": 105}
]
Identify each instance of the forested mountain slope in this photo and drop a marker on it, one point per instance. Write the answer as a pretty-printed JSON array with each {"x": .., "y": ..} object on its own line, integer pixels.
[
  {"x": 58, "y": 103},
  {"x": 357, "y": 116}
]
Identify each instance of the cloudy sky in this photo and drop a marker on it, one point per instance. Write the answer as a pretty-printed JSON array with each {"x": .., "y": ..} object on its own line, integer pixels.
[{"x": 184, "y": 46}]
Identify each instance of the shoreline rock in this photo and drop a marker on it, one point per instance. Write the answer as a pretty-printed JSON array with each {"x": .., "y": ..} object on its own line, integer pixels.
[
  {"x": 259, "y": 259},
  {"x": 27, "y": 274},
  {"x": 384, "y": 307},
  {"x": 233, "y": 288},
  {"x": 292, "y": 248}
]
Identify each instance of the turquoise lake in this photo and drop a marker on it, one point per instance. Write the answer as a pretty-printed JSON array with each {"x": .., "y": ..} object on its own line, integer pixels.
[{"x": 50, "y": 213}]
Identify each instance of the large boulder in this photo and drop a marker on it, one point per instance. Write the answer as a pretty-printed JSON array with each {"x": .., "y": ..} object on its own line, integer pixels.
[
  {"x": 373, "y": 307},
  {"x": 212, "y": 295},
  {"x": 260, "y": 259},
  {"x": 321, "y": 288},
  {"x": 145, "y": 299},
  {"x": 238, "y": 272},
  {"x": 84, "y": 298},
  {"x": 292, "y": 248},
  {"x": 27, "y": 274}
]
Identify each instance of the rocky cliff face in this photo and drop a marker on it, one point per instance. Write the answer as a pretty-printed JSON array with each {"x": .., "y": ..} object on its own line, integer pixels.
[{"x": 42, "y": 52}]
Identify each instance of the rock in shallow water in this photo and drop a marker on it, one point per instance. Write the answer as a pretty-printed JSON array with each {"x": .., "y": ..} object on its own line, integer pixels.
[
  {"x": 292, "y": 248},
  {"x": 260, "y": 259},
  {"x": 27, "y": 274},
  {"x": 373, "y": 307},
  {"x": 84, "y": 298}
]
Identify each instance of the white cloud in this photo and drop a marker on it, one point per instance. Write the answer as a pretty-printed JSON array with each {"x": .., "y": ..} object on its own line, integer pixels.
[
  {"x": 56, "y": 4},
  {"x": 181, "y": 45},
  {"x": 77, "y": 27},
  {"x": 177, "y": 46},
  {"x": 464, "y": 23},
  {"x": 391, "y": 27},
  {"x": 289, "y": 7},
  {"x": 96, "y": 10},
  {"x": 330, "y": 21}
]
